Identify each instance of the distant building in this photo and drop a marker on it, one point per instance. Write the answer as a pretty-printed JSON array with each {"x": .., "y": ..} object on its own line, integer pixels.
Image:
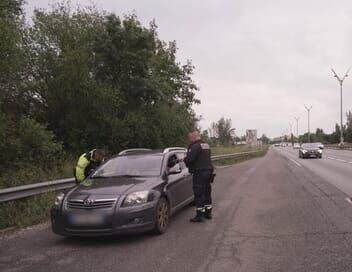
[{"x": 251, "y": 138}]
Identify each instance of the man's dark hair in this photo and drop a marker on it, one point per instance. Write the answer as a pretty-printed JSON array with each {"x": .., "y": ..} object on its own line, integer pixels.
[{"x": 100, "y": 152}]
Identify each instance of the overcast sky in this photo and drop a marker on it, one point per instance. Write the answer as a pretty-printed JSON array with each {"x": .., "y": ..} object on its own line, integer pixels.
[{"x": 257, "y": 62}]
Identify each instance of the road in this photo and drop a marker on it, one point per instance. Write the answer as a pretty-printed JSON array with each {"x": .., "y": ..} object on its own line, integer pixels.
[
  {"x": 275, "y": 213},
  {"x": 335, "y": 167}
]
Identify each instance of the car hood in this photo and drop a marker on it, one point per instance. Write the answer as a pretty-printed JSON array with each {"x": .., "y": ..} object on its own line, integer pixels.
[{"x": 111, "y": 186}]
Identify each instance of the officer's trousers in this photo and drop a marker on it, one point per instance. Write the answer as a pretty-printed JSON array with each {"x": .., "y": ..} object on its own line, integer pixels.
[{"x": 202, "y": 188}]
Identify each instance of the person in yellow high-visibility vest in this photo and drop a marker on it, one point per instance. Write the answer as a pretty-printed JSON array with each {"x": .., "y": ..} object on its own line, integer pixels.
[{"x": 87, "y": 163}]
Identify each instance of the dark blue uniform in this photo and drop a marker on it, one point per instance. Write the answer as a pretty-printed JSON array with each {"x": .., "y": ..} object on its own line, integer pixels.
[{"x": 198, "y": 161}]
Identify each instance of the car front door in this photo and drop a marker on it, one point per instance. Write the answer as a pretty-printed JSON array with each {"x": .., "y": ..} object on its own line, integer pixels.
[{"x": 177, "y": 177}]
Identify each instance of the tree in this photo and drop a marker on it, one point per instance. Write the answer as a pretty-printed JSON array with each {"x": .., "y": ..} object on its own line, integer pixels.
[
  {"x": 348, "y": 130},
  {"x": 265, "y": 139},
  {"x": 100, "y": 80},
  {"x": 221, "y": 132},
  {"x": 28, "y": 150}
]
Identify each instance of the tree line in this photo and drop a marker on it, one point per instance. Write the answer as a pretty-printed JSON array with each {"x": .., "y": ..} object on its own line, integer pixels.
[
  {"x": 334, "y": 137},
  {"x": 74, "y": 79},
  {"x": 222, "y": 133}
]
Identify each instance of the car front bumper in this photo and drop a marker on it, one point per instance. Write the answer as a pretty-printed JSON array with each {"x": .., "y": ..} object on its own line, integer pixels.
[
  {"x": 311, "y": 155},
  {"x": 116, "y": 221}
]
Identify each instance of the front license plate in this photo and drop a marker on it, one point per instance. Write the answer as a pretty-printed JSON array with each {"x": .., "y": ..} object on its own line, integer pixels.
[{"x": 87, "y": 219}]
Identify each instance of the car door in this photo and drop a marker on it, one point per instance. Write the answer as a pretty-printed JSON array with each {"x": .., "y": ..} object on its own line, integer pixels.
[
  {"x": 187, "y": 185},
  {"x": 176, "y": 182}
]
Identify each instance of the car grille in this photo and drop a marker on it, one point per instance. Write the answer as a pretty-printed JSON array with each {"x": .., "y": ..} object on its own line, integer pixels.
[{"x": 96, "y": 204}]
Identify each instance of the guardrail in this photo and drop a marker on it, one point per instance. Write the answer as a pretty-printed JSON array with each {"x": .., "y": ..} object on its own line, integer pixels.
[
  {"x": 19, "y": 192},
  {"x": 336, "y": 147}
]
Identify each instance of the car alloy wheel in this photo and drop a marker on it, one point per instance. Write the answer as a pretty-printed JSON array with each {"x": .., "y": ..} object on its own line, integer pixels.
[{"x": 163, "y": 216}]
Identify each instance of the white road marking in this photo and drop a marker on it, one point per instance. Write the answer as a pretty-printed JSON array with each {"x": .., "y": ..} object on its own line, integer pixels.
[
  {"x": 341, "y": 160},
  {"x": 295, "y": 162},
  {"x": 349, "y": 200}
]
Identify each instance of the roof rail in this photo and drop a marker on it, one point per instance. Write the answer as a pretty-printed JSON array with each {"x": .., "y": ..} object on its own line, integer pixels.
[
  {"x": 124, "y": 152},
  {"x": 169, "y": 149}
]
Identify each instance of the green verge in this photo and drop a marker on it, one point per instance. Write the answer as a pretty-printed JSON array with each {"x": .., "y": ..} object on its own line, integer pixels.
[
  {"x": 261, "y": 152},
  {"x": 27, "y": 211}
]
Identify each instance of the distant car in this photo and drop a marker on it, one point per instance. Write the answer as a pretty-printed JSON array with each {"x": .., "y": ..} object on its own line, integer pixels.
[
  {"x": 276, "y": 145},
  {"x": 296, "y": 146},
  {"x": 135, "y": 191},
  {"x": 310, "y": 151},
  {"x": 320, "y": 145}
]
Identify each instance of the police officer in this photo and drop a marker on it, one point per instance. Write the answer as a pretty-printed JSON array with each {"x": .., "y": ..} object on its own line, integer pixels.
[
  {"x": 198, "y": 160},
  {"x": 87, "y": 163}
]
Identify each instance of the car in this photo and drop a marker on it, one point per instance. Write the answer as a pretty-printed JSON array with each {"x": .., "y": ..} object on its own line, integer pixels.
[
  {"x": 296, "y": 146},
  {"x": 310, "y": 151},
  {"x": 135, "y": 191},
  {"x": 276, "y": 145}
]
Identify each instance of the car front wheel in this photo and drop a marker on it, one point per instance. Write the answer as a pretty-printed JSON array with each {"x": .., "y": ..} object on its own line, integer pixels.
[{"x": 162, "y": 216}]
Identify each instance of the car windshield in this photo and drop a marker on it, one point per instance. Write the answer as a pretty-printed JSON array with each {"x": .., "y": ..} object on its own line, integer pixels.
[
  {"x": 309, "y": 146},
  {"x": 132, "y": 165}
]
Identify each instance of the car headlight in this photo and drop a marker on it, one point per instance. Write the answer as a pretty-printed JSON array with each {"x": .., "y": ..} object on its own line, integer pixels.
[
  {"x": 58, "y": 200},
  {"x": 304, "y": 151},
  {"x": 136, "y": 198},
  {"x": 320, "y": 151}
]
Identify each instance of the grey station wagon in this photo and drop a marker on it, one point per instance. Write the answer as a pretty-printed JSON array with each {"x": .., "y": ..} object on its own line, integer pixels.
[{"x": 135, "y": 191}]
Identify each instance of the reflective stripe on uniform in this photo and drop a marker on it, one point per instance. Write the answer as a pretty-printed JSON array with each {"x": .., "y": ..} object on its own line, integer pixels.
[
  {"x": 201, "y": 209},
  {"x": 208, "y": 207}
]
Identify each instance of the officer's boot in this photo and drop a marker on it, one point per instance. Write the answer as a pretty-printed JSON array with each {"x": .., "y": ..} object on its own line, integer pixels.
[
  {"x": 208, "y": 212},
  {"x": 199, "y": 216}
]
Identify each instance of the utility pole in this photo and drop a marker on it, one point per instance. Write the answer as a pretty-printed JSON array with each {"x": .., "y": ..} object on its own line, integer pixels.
[
  {"x": 308, "y": 110},
  {"x": 291, "y": 136},
  {"x": 297, "y": 119},
  {"x": 340, "y": 80}
]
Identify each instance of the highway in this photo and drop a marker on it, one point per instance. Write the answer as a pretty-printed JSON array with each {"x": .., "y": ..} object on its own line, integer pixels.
[
  {"x": 276, "y": 213},
  {"x": 335, "y": 166}
]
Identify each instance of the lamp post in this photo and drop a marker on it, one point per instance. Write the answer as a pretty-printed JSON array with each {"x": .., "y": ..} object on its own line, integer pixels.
[
  {"x": 308, "y": 110},
  {"x": 297, "y": 119},
  {"x": 291, "y": 135},
  {"x": 340, "y": 80}
]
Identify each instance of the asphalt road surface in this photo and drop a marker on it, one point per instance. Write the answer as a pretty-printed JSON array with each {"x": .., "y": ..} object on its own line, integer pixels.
[
  {"x": 276, "y": 213},
  {"x": 335, "y": 166}
]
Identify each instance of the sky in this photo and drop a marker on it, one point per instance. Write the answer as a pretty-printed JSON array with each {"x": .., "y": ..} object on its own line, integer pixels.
[{"x": 257, "y": 62}]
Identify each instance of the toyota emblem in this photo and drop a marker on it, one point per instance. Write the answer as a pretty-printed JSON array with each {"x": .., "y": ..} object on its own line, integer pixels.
[{"x": 88, "y": 202}]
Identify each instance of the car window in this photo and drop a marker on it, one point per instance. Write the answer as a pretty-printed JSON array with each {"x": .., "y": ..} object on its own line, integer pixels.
[
  {"x": 175, "y": 162},
  {"x": 131, "y": 165}
]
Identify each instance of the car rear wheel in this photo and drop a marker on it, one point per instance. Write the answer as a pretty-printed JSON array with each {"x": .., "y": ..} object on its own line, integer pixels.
[{"x": 162, "y": 216}]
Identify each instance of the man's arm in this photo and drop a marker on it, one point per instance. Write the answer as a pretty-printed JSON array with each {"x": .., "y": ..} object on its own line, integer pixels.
[
  {"x": 81, "y": 166},
  {"x": 192, "y": 154}
]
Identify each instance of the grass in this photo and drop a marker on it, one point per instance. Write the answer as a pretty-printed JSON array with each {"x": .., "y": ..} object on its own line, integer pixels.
[
  {"x": 234, "y": 149},
  {"x": 27, "y": 211},
  {"x": 34, "y": 209}
]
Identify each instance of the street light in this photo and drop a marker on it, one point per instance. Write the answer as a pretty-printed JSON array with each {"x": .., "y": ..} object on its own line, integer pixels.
[
  {"x": 297, "y": 119},
  {"x": 291, "y": 136},
  {"x": 308, "y": 110},
  {"x": 341, "y": 83}
]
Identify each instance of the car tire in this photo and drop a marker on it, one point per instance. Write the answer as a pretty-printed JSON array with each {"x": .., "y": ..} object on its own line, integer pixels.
[{"x": 162, "y": 217}]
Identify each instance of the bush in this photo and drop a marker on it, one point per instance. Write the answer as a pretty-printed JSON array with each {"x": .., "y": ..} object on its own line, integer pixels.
[{"x": 29, "y": 152}]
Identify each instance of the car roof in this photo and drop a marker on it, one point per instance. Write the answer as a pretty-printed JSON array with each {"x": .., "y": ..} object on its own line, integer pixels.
[{"x": 145, "y": 151}]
